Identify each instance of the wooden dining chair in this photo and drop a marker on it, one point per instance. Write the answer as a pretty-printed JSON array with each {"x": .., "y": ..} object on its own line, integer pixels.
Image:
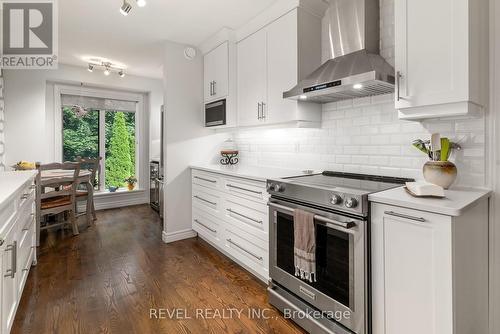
[
  {"x": 92, "y": 164},
  {"x": 61, "y": 199}
]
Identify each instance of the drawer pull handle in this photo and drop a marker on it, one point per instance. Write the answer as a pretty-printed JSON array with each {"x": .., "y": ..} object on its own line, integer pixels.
[
  {"x": 33, "y": 186},
  {"x": 205, "y": 200},
  {"x": 244, "y": 189},
  {"x": 203, "y": 179},
  {"x": 244, "y": 216},
  {"x": 260, "y": 258},
  {"x": 25, "y": 196},
  {"x": 12, "y": 248},
  {"x": 25, "y": 229},
  {"x": 307, "y": 293},
  {"x": 400, "y": 215},
  {"x": 26, "y": 269},
  {"x": 205, "y": 226}
]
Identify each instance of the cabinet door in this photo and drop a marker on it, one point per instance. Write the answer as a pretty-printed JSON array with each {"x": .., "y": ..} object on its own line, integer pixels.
[
  {"x": 221, "y": 75},
  {"x": 9, "y": 281},
  {"x": 252, "y": 78},
  {"x": 208, "y": 75},
  {"x": 411, "y": 272},
  {"x": 431, "y": 52},
  {"x": 282, "y": 75}
]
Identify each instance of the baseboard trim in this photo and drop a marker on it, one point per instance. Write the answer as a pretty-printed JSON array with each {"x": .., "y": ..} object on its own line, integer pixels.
[{"x": 178, "y": 235}]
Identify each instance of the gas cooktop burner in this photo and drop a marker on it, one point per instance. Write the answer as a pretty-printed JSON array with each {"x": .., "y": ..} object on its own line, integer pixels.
[{"x": 340, "y": 191}]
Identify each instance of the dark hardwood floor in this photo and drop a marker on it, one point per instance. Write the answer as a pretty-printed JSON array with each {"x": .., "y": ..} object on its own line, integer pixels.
[{"x": 107, "y": 280}]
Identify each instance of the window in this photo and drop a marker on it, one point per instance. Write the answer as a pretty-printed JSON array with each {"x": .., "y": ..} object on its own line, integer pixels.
[{"x": 101, "y": 132}]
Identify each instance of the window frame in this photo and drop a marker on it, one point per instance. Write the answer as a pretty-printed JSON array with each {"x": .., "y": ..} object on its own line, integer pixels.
[{"x": 140, "y": 129}]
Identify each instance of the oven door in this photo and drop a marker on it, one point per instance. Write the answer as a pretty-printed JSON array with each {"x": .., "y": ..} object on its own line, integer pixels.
[
  {"x": 341, "y": 264},
  {"x": 215, "y": 113}
]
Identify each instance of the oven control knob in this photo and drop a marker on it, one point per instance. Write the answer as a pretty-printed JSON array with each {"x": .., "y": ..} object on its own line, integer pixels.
[
  {"x": 336, "y": 199},
  {"x": 276, "y": 187},
  {"x": 351, "y": 202}
]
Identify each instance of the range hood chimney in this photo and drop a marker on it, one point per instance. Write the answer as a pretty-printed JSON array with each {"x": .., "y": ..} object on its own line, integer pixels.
[{"x": 355, "y": 69}]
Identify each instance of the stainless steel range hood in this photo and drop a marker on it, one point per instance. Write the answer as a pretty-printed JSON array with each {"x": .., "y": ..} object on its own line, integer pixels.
[{"x": 355, "y": 69}]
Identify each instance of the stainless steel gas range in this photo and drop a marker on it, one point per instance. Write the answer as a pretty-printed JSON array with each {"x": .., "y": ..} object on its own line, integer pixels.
[{"x": 339, "y": 301}]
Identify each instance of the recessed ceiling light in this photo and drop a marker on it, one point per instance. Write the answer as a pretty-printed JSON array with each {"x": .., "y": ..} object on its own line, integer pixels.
[
  {"x": 91, "y": 68},
  {"x": 141, "y": 3},
  {"x": 303, "y": 97},
  {"x": 357, "y": 86},
  {"x": 107, "y": 71},
  {"x": 125, "y": 8},
  {"x": 121, "y": 73}
]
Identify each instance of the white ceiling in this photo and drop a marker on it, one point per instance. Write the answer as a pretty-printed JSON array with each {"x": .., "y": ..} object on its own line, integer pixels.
[{"x": 95, "y": 28}]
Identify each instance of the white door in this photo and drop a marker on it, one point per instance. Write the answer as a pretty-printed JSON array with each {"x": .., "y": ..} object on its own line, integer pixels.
[
  {"x": 252, "y": 78},
  {"x": 282, "y": 75},
  {"x": 9, "y": 281},
  {"x": 411, "y": 272},
  {"x": 221, "y": 75},
  {"x": 431, "y": 52}
]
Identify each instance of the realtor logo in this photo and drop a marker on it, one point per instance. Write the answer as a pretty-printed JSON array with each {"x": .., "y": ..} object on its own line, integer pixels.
[{"x": 29, "y": 36}]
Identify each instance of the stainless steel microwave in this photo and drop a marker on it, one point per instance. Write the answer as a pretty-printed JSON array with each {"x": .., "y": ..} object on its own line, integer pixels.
[{"x": 215, "y": 113}]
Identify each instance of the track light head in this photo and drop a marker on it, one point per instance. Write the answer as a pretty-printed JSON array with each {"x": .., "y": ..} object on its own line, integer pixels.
[
  {"x": 91, "y": 68},
  {"x": 107, "y": 71},
  {"x": 125, "y": 8},
  {"x": 121, "y": 74},
  {"x": 141, "y": 3}
]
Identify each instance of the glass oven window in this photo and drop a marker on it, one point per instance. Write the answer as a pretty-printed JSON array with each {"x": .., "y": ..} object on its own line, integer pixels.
[{"x": 333, "y": 258}]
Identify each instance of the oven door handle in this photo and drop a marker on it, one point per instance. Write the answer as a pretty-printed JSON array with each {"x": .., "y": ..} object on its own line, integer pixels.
[{"x": 347, "y": 225}]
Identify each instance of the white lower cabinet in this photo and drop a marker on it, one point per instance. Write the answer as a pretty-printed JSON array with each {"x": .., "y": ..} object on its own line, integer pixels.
[
  {"x": 17, "y": 249},
  {"x": 429, "y": 271},
  {"x": 233, "y": 218}
]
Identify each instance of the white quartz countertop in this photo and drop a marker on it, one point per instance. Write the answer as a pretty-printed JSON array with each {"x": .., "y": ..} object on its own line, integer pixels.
[
  {"x": 10, "y": 182},
  {"x": 454, "y": 203},
  {"x": 250, "y": 172}
]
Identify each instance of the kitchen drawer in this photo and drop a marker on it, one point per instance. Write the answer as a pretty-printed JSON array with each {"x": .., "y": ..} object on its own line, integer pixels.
[
  {"x": 209, "y": 201},
  {"x": 25, "y": 237},
  {"x": 23, "y": 270},
  {"x": 208, "y": 180},
  {"x": 249, "y": 189},
  {"x": 249, "y": 216},
  {"x": 207, "y": 226},
  {"x": 26, "y": 195},
  {"x": 248, "y": 250}
]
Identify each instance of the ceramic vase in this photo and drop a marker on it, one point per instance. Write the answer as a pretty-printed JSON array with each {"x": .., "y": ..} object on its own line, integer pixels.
[{"x": 441, "y": 173}]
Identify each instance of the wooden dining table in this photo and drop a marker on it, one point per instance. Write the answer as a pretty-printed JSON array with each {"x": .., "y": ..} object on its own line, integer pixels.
[{"x": 83, "y": 178}]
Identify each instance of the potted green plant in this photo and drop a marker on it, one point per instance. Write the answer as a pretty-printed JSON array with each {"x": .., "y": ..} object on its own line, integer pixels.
[
  {"x": 131, "y": 181},
  {"x": 438, "y": 170}
]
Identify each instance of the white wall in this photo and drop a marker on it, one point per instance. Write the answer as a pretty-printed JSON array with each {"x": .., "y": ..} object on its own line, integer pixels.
[
  {"x": 29, "y": 106},
  {"x": 186, "y": 141}
]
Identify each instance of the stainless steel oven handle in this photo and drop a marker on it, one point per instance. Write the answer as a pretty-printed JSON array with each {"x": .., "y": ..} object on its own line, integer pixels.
[
  {"x": 346, "y": 226},
  {"x": 244, "y": 216},
  {"x": 260, "y": 258},
  {"x": 400, "y": 215},
  {"x": 205, "y": 200}
]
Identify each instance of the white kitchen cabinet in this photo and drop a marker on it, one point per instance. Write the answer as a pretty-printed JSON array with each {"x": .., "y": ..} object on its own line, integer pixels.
[
  {"x": 231, "y": 214},
  {"x": 429, "y": 271},
  {"x": 273, "y": 60},
  {"x": 440, "y": 57},
  {"x": 216, "y": 73},
  {"x": 9, "y": 282},
  {"x": 17, "y": 241},
  {"x": 252, "y": 79}
]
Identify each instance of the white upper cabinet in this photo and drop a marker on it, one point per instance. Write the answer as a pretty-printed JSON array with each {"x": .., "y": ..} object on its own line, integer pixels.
[
  {"x": 252, "y": 78},
  {"x": 441, "y": 57},
  {"x": 272, "y": 61},
  {"x": 216, "y": 73}
]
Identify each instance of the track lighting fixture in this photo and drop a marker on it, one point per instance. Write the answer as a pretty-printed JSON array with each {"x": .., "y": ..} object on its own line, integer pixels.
[
  {"x": 125, "y": 8},
  {"x": 107, "y": 68},
  {"x": 141, "y": 3}
]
